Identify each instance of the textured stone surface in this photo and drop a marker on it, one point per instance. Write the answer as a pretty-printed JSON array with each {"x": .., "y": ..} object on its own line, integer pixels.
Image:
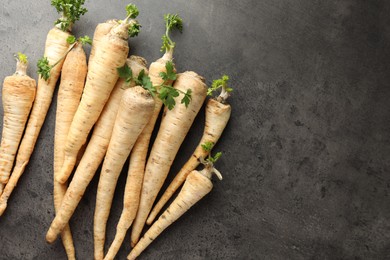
[{"x": 306, "y": 154}]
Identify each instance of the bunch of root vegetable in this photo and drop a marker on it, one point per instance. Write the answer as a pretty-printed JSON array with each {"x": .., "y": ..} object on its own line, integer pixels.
[{"x": 121, "y": 99}]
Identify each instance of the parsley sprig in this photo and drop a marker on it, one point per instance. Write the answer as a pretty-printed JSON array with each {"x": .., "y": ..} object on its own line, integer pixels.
[
  {"x": 82, "y": 40},
  {"x": 172, "y": 21},
  {"x": 44, "y": 68},
  {"x": 142, "y": 79},
  {"x": 43, "y": 65},
  {"x": 167, "y": 93},
  {"x": 220, "y": 84},
  {"x": 71, "y": 11},
  {"x": 207, "y": 146},
  {"x": 22, "y": 58},
  {"x": 214, "y": 159},
  {"x": 134, "y": 29},
  {"x": 131, "y": 13},
  {"x": 125, "y": 73},
  {"x": 209, "y": 165}
]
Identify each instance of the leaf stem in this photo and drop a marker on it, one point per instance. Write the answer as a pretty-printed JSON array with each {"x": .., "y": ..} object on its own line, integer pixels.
[
  {"x": 223, "y": 96},
  {"x": 66, "y": 53},
  {"x": 21, "y": 64},
  {"x": 209, "y": 169},
  {"x": 220, "y": 84}
]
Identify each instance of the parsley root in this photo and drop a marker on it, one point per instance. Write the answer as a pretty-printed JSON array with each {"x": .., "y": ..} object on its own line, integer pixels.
[
  {"x": 217, "y": 117},
  {"x": 110, "y": 54},
  {"x": 196, "y": 186},
  {"x": 137, "y": 166},
  {"x": 174, "y": 127},
  {"x": 18, "y": 96},
  {"x": 161, "y": 67},
  {"x": 134, "y": 112},
  {"x": 49, "y": 69},
  {"x": 74, "y": 71},
  {"x": 94, "y": 153},
  {"x": 101, "y": 30}
]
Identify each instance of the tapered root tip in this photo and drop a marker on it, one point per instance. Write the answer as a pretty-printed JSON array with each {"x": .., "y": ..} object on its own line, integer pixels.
[
  {"x": 61, "y": 179},
  {"x": 150, "y": 219},
  {"x": 130, "y": 257},
  {"x": 132, "y": 243},
  {"x": 50, "y": 236},
  {"x": 3, "y": 206},
  {"x": 66, "y": 170}
]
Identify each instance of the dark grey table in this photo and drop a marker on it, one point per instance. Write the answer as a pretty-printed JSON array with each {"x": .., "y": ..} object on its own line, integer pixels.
[{"x": 307, "y": 151}]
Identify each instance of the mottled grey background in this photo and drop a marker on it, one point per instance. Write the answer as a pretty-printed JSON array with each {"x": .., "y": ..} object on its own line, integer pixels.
[{"x": 306, "y": 154}]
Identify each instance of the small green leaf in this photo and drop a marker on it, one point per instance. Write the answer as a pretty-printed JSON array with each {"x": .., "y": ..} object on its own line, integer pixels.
[
  {"x": 134, "y": 29},
  {"x": 207, "y": 146},
  {"x": 85, "y": 40},
  {"x": 71, "y": 11},
  {"x": 167, "y": 95},
  {"x": 174, "y": 21},
  {"x": 210, "y": 92},
  {"x": 170, "y": 102},
  {"x": 125, "y": 73},
  {"x": 225, "y": 78},
  {"x": 219, "y": 83},
  {"x": 44, "y": 68},
  {"x": 214, "y": 158},
  {"x": 132, "y": 11},
  {"x": 22, "y": 58},
  {"x": 165, "y": 43},
  {"x": 144, "y": 81},
  {"x": 163, "y": 75},
  {"x": 173, "y": 92},
  {"x": 187, "y": 98},
  {"x": 148, "y": 85},
  {"x": 171, "y": 74},
  {"x": 71, "y": 39},
  {"x": 138, "y": 80},
  {"x": 217, "y": 156},
  {"x": 163, "y": 93}
]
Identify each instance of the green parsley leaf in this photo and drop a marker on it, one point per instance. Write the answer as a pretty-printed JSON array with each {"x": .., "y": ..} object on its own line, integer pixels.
[
  {"x": 163, "y": 75},
  {"x": 125, "y": 73},
  {"x": 132, "y": 11},
  {"x": 219, "y": 83},
  {"x": 215, "y": 158},
  {"x": 22, "y": 58},
  {"x": 134, "y": 29},
  {"x": 85, "y": 40},
  {"x": 167, "y": 95},
  {"x": 165, "y": 43},
  {"x": 44, "y": 68},
  {"x": 172, "y": 21},
  {"x": 144, "y": 81},
  {"x": 138, "y": 80},
  {"x": 170, "y": 102},
  {"x": 207, "y": 146},
  {"x": 170, "y": 73},
  {"x": 71, "y": 11},
  {"x": 187, "y": 98},
  {"x": 71, "y": 39}
]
